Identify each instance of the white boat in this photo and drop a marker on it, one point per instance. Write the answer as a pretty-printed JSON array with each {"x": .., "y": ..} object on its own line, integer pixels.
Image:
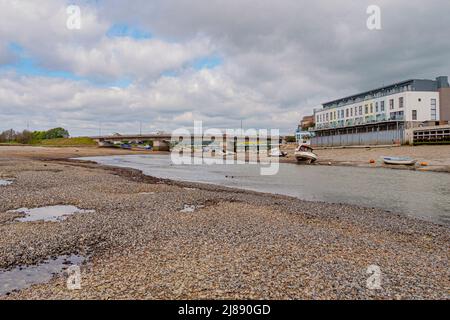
[
  {"x": 304, "y": 153},
  {"x": 145, "y": 147},
  {"x": 399, "y": 160},
  {"x": 225, "y": 153},
  {"x": 275, "y": 152},
  {"x": 105, "y": 144},
  {"x": 218, "y": 152}
]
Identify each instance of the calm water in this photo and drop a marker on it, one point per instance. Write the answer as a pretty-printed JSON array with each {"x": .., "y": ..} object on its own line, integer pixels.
[
  {"x": 49, "y": 214},
  {"x": 24, "y": 277},
  {"x": 5, "y": 182},
  {"x": 421, "y": 194}
]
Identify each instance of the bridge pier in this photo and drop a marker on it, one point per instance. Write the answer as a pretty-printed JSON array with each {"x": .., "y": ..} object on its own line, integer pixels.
[{"x": 161, "y": 145}]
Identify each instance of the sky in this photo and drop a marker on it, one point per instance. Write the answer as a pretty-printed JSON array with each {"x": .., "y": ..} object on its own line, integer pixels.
[{"x": 158, "y": 65}]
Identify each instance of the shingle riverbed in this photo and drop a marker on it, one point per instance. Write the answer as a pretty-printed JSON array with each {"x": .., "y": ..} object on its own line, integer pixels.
[{"x": 233, "y": 245}]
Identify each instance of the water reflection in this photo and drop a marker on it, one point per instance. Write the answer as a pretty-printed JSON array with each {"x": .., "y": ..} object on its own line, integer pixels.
[
  {"x": 23, "y": 277},
  {"x": 5, "y": 182},
  {"x": 49, "y": 214}
]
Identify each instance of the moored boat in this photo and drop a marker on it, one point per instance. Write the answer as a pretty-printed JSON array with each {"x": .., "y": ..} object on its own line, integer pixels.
[
  {"x": 126, "y": 146},
  {"x": 399, "y": 161},
  {"x": 304, "y": 153},
  {"x": 275, "y": 152}
]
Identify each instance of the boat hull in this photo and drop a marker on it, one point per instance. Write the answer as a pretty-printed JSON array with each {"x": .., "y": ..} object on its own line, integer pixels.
[
  {"x": 307, "y": 157},
  {"x": 399, "y": 161}
]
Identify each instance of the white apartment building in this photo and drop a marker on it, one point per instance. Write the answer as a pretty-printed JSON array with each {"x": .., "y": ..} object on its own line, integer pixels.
[
  {"x": 382, "y": 116},
  {"x": 413, "y": 100}
]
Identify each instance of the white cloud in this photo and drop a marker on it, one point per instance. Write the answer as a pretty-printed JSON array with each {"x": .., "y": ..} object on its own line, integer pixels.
[
  {"x": 164, "y": 104},
  {"x": 116, "y": 58}
]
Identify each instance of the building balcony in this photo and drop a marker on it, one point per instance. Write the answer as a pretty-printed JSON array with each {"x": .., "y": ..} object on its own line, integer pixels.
[{"x": 359, "y": 121}]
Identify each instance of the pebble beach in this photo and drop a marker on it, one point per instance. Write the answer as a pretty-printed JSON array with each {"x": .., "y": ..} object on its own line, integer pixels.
[{"x": 140, "y": 242}]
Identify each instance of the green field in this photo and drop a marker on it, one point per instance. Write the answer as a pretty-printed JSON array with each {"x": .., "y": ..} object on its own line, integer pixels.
[{"x": 67, "y": 142}]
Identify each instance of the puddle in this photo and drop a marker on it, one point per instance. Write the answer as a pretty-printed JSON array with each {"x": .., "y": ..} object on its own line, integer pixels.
[
  {"x": 24, "y": 277},
  {"x": 146, "y": 193},
  {"x": 191, "y": 208},
  {"x": 5, "y": 182},
  {"x": 49, "y": 214}
]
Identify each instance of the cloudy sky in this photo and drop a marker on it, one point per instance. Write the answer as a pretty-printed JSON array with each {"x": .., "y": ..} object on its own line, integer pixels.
[{"x": 166, "y": 63}]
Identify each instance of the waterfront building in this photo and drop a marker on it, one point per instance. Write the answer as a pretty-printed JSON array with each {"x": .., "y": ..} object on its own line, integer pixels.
[
  {"x": 306, "y": 125},
  {"x": 381, "y": 116}
]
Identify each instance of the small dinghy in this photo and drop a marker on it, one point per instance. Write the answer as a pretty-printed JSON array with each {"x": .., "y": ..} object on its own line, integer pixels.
[
  {"x": 304, "y": 153},
  {"x": 126, "y": 146},
  {"x": 399, "y": 160},
  {"x": 275, "y": 152}
]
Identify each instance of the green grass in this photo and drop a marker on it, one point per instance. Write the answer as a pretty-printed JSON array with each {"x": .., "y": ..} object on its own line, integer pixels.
[
  {"x": 10, "y": 143},
  {"x": 67, "y": 142}
]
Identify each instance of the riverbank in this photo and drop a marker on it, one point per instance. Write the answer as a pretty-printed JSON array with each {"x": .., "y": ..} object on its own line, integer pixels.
[
  {"x": 234, "y": 244},
  {"x": 61, "y": 152},
  {"x": 437, "y": 157}
]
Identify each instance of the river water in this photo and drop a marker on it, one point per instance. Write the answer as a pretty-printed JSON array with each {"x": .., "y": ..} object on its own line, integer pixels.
[{"x": 421, "y": 194}]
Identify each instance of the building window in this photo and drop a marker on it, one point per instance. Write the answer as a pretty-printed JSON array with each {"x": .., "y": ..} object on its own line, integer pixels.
[
  {"x": 367, "y": 109},
  {"x": 414, "y": 115},
  {"x": 400, "y": 102},
  {"x": 376, "y": 107},
  {"x": 391, "y": 104},
  {"x": 360, "y": 110},
  {"x": 346, "y": 113},
  {"x": 433, "y": 109},
  {"x": 335, "y": 115},
  {"x": 371, "y": 108},
  {"x": 327, "y": 117},
  {"x": 351, "y": 112},
  {"x": 382, "y": 106},
  {"x": 399, "y": 116}
]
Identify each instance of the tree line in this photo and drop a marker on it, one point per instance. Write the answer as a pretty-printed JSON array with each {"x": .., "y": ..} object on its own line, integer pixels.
[{"x": 29, "y": 137}]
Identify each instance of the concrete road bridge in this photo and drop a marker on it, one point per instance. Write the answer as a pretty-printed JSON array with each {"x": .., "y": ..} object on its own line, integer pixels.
[
  {"x": 163, "y": 141},
  {"x": 160, "y": 142}
]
